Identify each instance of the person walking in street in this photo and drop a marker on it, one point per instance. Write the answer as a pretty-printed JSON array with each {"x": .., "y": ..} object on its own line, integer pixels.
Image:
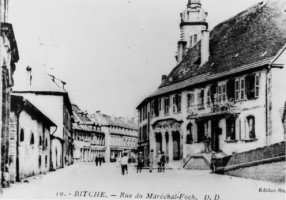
[
  {"x": 163, "y": 161},
  {"x": 100, "y": 160},
  {"x": 124, "y": 164},
  {"x": 207, "y": 142},
  {"x": 213, "y": 161},
  {"x": 151, "y": 160},
  {"x": 159, "y": 161},
  {"x": 140, "y": 162},
  {"x": 96, "y": 160}
]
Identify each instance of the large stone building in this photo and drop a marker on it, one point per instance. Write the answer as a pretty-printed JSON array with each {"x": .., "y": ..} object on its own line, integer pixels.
[
  {"x": 8, "y": 57},
  {"x": 48, "y": 94},
  {"x": 89, "y": 140},
  {"x": 29, "y": 140},
  {"x": 229, "y": 83},
  {"x": 121, "y": 135}
]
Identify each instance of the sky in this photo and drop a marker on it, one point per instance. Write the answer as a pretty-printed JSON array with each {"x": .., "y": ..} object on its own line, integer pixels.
[{"x": 111, "y": 53}]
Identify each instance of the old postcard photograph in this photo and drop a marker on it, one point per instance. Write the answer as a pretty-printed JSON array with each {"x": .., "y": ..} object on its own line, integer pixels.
[{"x": 143, "y": 99}]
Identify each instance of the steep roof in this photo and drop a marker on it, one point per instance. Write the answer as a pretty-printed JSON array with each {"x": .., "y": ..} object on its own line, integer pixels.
[
  {"x": 82, "y": 121},
  {"x": 248, "y": 40},
  {"x": 80, "y": 115},
  {"x": 114, "y": 121}
]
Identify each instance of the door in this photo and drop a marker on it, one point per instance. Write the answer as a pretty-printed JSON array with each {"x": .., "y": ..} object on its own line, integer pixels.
[
  {"x": 176, "y": 145},
  {"x": 158, "y": 142},
  {"x": 216, "y": 131}
]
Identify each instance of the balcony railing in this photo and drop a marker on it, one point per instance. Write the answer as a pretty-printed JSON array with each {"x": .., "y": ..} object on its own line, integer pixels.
[{"x": 212, "y": 107}]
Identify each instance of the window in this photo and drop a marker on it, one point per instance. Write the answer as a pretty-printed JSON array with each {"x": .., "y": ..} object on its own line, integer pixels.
[
  {"x": 251, "y": 127},
  {"x": 242, "y": 89},
  {"x": 191, "y": 41},
  {"x": 159, "y": 104},
  {"x": 230, "y": 123},
  {"x": 230, "y": 89},
  {"x": 179, "y": 98},
  {"x": 174, "y": 104},
  {"x": 209, "y": 97},
  {"x": 166, "y": 105},
  {"x": 190, "y": 99},
  {"x": 152, "y": 108},
  {"x": 222, "y": 93},
  {"x": 195, "y": 39},
  {"x": 257, "y": 77},
  {"x": 201, "y": 99},
  {"x": 22, "y": 135},
  {"x": 40, "y": 140},
  {"x": 32, "y": 141}
]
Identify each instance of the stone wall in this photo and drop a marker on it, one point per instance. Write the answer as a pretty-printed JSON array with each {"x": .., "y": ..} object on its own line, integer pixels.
[{"x": 267, "y": 163}]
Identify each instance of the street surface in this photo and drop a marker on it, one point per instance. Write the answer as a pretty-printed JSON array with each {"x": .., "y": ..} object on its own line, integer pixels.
[{"x": 86, "y": 181}]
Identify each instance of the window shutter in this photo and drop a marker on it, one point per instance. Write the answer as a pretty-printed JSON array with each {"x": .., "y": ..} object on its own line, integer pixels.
[
  {"x": 156, "y": 110},
  {"x": 249, "y": 86},
  {"x": 230, "y": 89}
]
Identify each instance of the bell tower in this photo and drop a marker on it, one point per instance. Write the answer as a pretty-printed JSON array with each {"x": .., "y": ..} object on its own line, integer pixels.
[{"x": 193, "y": 23}]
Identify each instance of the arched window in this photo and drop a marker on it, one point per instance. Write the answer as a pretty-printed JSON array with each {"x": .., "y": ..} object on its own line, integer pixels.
[
  {"x": 251, "y": 126},
  {"x": 46, "y": 143},
  {"x": 32, "y": 141},
  {"x": 40, "y": 140},
  {"x": 22, "y": 135}
]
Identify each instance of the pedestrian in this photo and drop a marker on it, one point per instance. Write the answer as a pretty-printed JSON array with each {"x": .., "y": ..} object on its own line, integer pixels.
[
  {"x": 140, "y": 162},
  {"x": 213, "y": 161},
  {"x": 151, "y": 160},
  {"x": 96, "y": 159},
  {"x": 207, "y": 142},
  {"x": 6, "y": 177},
  {"x": 124, "y": 164},
  {"x": 159, "y": 161},
  {"x": 100, "y": 160},
  {"x": 163, "y": 161}
]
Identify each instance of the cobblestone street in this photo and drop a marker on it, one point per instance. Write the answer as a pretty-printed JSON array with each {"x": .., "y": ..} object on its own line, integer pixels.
[{"x": 107, "y": 181}]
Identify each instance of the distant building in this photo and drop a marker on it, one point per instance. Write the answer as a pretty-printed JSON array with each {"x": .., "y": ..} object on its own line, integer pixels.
[
  {"x": 8, "y": 57},
  {"x": 121, "y": 135},
  {"x": 47, "y": 93},
  {"x": 89, "y": 140},
  {"x": 30, "y": 140},
  {"x": 228, "y": 83}
]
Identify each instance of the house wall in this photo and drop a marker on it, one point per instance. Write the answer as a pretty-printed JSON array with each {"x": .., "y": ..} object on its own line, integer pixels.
[
  {"x": 243, "y": 108},
  {"x": 33, "y": 157},
  {"x": 53, "y": 107},
  {"x": 56, "y": 154},
  {"x": 278, "y": 99}
]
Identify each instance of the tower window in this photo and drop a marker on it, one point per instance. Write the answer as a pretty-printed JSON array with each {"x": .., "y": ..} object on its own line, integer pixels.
[{"x": 195, "y": 38}]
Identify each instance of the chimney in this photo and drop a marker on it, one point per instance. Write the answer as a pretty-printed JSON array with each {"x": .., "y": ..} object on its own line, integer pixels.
[
  {"x": 205, "y": 47},
  {"x": 29, "y": 77},
  {"x": 164, "y": 77}
]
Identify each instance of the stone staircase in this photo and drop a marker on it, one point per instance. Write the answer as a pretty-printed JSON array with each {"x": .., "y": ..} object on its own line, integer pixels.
[{"x": 200, "y": 161}]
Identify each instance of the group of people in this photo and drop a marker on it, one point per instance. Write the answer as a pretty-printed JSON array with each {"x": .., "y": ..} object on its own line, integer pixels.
[
  {"x": 160, "y": 159},
  {"x": 99, "y": 159}
]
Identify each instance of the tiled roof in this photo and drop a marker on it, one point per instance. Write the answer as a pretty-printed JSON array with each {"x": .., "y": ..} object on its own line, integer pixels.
[
  {"x": 82, "y": 121},
  {"x": 249, "y": 39},
  {"x": 114, "y": 121},
  {"x": 81, "y": 115}
]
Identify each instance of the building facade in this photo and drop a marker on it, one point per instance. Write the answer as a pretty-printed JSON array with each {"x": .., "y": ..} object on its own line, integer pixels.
[
  {"x": 89, "y": 140},
  {"x": 47, "y": 93},
  {"x": 228, "y": 84},
  {"x": 121, "y": 135},
  {"x": 29, "y": 140},
  {"x": 8, "y": 57}
]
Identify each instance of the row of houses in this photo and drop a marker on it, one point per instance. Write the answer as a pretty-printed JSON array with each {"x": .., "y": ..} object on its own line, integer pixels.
[{"x": 229, "y": 84}]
